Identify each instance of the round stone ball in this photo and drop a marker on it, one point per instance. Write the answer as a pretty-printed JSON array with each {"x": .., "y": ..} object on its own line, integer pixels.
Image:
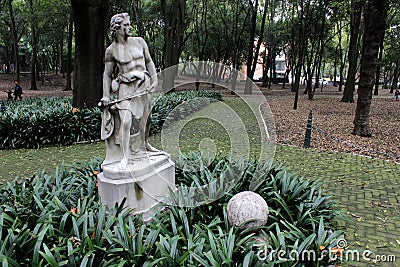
[{"x": 247, "y": 210}]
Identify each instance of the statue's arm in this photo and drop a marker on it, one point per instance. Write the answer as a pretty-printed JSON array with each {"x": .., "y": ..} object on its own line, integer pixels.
[
  {"x": 108, "y": 70},
  {"x": 151, "y": 68}
]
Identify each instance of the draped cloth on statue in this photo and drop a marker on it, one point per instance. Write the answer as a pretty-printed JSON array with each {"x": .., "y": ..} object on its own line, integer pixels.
[{"x": 132, "y": 96}]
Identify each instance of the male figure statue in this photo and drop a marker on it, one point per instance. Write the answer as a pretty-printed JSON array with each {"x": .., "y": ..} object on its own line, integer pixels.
[{"x": 137, "y": 78}]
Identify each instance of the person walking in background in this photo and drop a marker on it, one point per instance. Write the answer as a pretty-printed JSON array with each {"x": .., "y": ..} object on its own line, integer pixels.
[
  {"x": 397, "y": 95},
  {"x": 17, "y": 90}
]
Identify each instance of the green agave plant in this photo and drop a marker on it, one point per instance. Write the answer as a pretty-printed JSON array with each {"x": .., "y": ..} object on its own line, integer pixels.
[{"x": 57, "y": 220}]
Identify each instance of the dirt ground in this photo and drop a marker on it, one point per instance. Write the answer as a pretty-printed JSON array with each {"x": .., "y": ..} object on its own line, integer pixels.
[
  {"x": 333, "y": 122},
  {"x": 332, "y": 119},
  {"x": 52, "y": 86}
]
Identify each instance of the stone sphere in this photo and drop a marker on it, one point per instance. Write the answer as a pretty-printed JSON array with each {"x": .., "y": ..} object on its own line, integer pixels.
[{"x": 247, "y": 210}]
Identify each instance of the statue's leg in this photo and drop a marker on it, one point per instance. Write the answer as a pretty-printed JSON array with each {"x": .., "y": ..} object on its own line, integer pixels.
[
  {"x": 124, "y": 135},
  {"x": 144, "y": 125}
]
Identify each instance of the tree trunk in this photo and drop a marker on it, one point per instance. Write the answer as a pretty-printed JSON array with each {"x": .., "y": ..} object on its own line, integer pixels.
[
  {"x": 250, "y": 51},
  {"x": 319, "y": 56},
  {"x": 335, "y": 68},
  {"x": 198, "y": 74},
  {"x": 174, "y": 28},
  {"x": 395, "y": 77},
  {"x": 341, "y": 70},
  {"x": 233, "y": 81},
  {"x": 266, "y": 65},
  {"x": 349, "y": 88},
  {"x": 341, "y": 63},
  {"x": 375, "y": 21},
  {"x": 378, "y": 67},
  {"x": 34, "y": 48},
  {"x": 15, "y": 40},
  {"x": 302, "y": 45},
  {"x": 58, "y": 60},
  {"x": 37, "y": 65},
  {"x": 138, "y": 21},
  {"x": 286, "y": 76},
  {"x": 293, "y": 51},
  {"x": 89, "y": 18},
  {"x": 274, "y": 80},
  {"x": 69, "y": 52},
  {"x": 201, "y": 38},
  {"x": 260, "y": 37}
]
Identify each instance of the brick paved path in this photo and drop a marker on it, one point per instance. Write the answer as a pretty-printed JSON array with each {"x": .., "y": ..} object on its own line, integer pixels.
[{"x": 368, "y": 192}]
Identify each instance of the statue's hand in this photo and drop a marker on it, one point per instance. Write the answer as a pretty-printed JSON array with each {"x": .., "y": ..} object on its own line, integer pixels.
[{"x": 104, "y": 101}]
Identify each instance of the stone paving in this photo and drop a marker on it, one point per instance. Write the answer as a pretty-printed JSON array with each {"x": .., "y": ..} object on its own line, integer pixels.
[{"x": 367, "y": 191}]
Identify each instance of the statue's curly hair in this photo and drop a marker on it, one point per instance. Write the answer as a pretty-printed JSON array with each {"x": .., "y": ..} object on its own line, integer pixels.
[{"x": 116, "y": 21}]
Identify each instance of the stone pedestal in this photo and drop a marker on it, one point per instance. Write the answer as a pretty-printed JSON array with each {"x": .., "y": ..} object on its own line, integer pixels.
[{"x": 145, "y": 183}]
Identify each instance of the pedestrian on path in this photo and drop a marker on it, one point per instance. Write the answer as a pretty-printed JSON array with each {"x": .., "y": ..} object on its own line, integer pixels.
[
  {"x": 17, "y": 90},
  {"x": 397, "y": 95}
]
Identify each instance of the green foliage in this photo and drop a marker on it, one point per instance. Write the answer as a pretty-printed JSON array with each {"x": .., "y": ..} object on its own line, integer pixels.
[
  {"x": 57, "y": 221},
  {"x": 21, "y": 20},
  {"x": 39, "y": 122},
  {"x": 219, "y": 31},
  {"x": 295, "y": 200},
  {"x": 50, "y": 18},
  {"x": 36, "y": 213}
]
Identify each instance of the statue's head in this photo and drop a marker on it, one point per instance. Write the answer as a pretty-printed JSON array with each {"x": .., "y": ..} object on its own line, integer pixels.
[{"x": 116, "y": 22}]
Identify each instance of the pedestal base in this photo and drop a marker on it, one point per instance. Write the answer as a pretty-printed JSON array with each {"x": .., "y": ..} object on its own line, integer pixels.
[{"x": 145, "y": 183}]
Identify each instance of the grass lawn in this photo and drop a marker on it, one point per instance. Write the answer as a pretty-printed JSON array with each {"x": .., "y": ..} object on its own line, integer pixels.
[{"x": 310, "y": 163}]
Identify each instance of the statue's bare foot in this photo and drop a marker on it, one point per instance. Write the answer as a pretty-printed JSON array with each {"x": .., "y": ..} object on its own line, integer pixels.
[
  {"x": 150, "y": 148},
  {"x": 123, "y": 164}
]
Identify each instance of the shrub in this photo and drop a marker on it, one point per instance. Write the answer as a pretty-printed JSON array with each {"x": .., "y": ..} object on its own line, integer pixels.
[
  {"x": 40, "y": 122},
  {"x": 58, "y": 221}
]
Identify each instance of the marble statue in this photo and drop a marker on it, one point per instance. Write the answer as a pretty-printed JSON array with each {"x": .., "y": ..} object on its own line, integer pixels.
[
  {"x": 141, "y": 178},
  {"x": 136, "y": 80}
]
